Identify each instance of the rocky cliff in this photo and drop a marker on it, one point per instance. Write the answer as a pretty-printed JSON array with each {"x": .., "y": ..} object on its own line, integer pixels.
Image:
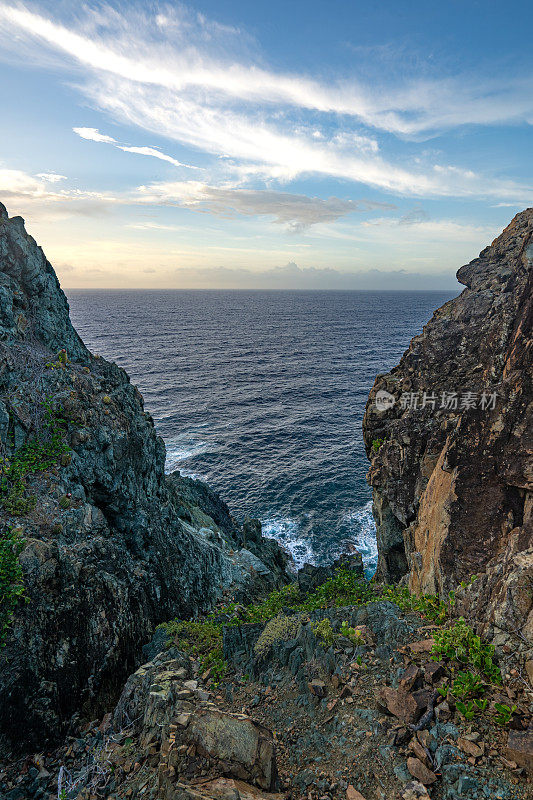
[
  {"x": 112, "y": 546},
  {"x": 449, "y": 433}
]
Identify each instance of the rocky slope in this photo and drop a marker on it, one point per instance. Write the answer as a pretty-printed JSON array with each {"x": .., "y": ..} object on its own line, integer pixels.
[
  {"x": 452, "y": 478},
  {"x": 353, "y": 701},
  {"x": 112, "y": 546}
]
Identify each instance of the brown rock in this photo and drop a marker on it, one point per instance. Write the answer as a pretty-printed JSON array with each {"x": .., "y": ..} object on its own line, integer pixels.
[
  {"x": 520, "y": 747},
  {"x": 409, "y": 677},
  {"x": 415, "y": 791},
  {"x": 424, "y": 737},
  {"x": 422, "y": 646},
  {"x": 246, "y": 747},
  {"x": 420, "y": 752},
  {"x": 459, "y": 468},
  {"x": 420, "y": 772},
  {"x": 470, "y": 748},
  {"x": 433, "y": 671},
  {"x": 353, "y": 794},
  {"x": 406, "y": 706},
  {"x": 443, "y": 712}
]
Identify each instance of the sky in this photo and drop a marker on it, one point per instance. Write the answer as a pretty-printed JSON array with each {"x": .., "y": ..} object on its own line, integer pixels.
[{"x": 233, "y": 144}]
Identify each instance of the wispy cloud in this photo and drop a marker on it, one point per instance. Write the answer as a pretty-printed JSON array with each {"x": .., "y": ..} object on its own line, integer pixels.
[
  {"x": 173, "y": 73},
  {"x": 22, "y": 192},
  {"x": 93, "y": 135},
  {"x": 151, "y": 151},
  {"x": 296, "y": 211}
]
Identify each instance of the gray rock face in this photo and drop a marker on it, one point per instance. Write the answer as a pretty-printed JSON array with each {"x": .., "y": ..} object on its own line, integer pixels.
[
  {"x": 113, "y": 546},
  {"x": 453, "y": 486}
]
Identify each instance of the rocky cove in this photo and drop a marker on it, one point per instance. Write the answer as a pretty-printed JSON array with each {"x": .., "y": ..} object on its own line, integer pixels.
[{"x": 416, "y": 685}]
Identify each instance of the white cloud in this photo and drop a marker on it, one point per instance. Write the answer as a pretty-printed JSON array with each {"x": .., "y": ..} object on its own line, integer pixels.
[
  {"x": 51, "y": 177},
  {"x": 23, "y": 192},
  {"x": 296, "y": 211},
  {"x": 183, "y": 81},
  {"x": 93, "y": 134},
  {"x": 151, "y": 151}
]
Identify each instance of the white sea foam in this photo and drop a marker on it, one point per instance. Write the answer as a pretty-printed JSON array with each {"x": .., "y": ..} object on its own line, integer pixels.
[
  {"x": 363, "y": 538},
  {"x": 180, "y": 450},
  {"x": 285, "y": 530}
]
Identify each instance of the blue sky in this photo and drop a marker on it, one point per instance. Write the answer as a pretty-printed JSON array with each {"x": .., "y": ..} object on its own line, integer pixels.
[{"x": 285, "y": 145}]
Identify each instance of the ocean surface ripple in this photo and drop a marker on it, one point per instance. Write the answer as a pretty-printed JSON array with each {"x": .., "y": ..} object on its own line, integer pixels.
[{"x": 261, "y": 394}]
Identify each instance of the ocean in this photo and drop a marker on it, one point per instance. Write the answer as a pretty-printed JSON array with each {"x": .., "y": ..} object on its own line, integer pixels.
[{"x": 261, "y": 394}]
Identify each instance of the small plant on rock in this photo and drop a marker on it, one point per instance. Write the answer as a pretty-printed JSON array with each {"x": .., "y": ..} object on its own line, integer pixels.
[
  {"x": 504, "y": 714},
  {"x": 324, "y": 632},
  {"x": 467, "y": 685},
  {"x": 37, "y": 455},
  {"x": 468, "y": 710}
]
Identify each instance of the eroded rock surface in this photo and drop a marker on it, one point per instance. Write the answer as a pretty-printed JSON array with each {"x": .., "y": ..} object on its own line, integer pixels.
[
  {"x": 113, "y": 546},
  {"x": 453, "y": 485}
]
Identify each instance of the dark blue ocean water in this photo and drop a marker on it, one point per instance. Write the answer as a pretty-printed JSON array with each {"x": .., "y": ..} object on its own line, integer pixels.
[{"x": 261, "y": 394}]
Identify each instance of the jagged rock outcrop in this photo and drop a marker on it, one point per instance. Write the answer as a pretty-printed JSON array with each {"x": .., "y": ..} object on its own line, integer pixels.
[
  {"x": 112, "y": 546},
  {"x": 452, "y": 478}
]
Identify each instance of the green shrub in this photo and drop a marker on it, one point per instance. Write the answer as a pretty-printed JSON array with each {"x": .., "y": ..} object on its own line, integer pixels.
[
  {"x": 11, "y": 583},
  {"x": 324, "y": 632},
  {"x": 460, "y": 642},
  {"x": 279, "y": 629},
  {"x": 376, "y": 444},
  {"x": 467, "y": 685}
]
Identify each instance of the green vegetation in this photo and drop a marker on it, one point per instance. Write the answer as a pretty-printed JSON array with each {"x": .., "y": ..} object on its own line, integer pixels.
[
  {"x": 203, "y": 638},
  {"x": 278, "y": 629},
  {"x": 11, "y": 584},
  {"x": 503, "y": 714},
  {"x": 376, "y": 444},
  {"x": 38, "y": 454},
  {"x": 467, "y": 685},
  {"x": 460, "y": 643},
  {"x": 324, "y": 632},
  {"x": 353, "y": 634}
]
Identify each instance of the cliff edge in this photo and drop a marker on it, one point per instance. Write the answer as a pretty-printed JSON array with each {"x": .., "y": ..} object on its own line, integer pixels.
[
  {"x": 111, "y": 546},
  {"x": 449, "y": 433}
]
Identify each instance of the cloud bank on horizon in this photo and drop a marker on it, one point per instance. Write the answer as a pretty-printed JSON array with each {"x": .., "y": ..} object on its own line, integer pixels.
[{"x": 144, "y": 145}]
